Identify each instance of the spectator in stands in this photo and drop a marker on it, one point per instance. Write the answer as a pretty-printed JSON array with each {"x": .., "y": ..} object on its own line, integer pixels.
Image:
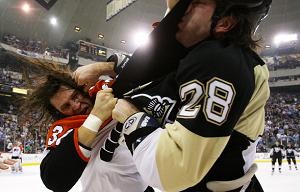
[
  {"x": 296, "y": 138},
  {"x": 27, "y": 47}
]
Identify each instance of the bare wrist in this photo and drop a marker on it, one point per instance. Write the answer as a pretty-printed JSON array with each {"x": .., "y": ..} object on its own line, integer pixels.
[
  {"x": 86, "y": 137},
  {"x": 98, "y": 114}
]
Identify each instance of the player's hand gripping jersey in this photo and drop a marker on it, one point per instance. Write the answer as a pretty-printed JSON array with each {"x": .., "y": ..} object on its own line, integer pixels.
[{"x": 216, "y": 99}]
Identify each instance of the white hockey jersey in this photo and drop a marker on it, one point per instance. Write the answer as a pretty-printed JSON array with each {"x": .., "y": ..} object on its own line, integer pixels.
[
  {"x": 16, "y": 152},
  {"x": 118, "y": 175}
]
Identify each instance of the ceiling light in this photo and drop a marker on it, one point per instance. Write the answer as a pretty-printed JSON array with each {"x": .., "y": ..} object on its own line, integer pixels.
[
  {"x": 53, "y": 21},
  {"x": 141, "y": 38},
  {"x": 26, "y": 7},
  {"x": 285, "y": 38},
  {"x": 123, "y": 41},
  {"x": 100, "y": 36},
  {"x": 77, "y": 29}
]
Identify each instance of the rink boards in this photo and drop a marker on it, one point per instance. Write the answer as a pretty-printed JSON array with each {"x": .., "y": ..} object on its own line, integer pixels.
[{"x": 35, "y": 159}]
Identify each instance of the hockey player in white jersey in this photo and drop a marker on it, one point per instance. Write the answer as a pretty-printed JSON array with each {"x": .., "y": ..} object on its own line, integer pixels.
[
  {"x": 74, "y": 140},
  {"x": 17, "y": 155}
]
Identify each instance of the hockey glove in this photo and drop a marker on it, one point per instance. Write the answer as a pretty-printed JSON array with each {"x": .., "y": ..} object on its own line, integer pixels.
[{"x": 137, "y": 127}]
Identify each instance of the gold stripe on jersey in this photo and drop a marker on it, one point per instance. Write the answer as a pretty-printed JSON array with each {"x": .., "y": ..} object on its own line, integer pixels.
[
  {"x": 185, "y": 152},
  {"x": 252, "y": 121}
]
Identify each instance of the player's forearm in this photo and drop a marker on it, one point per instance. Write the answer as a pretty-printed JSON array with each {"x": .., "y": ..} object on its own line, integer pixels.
[
  {"x": 105, "y": 68},
  {"x": 86, "y": 136},
  {"x": 87, "y": 132}
]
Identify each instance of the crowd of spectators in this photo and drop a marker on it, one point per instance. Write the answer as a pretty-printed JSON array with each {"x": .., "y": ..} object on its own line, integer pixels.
[
  {"x": 34, "y": 46},
  {"x": 31, "y": 137},
  {"x": 12, "y": 131},
  {"x": 282, "y": 121},
  {"x": 13, "y": 126},
  {"x": 71, "y": 50},
  {"x": 284, "y": 78},
  {"x": 11, "y": 78},
  {"x": 282, "y": 62}
]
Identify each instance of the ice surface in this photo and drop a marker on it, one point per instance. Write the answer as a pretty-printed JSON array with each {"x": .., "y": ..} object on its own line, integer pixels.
[{"x": 29, "y": 180}]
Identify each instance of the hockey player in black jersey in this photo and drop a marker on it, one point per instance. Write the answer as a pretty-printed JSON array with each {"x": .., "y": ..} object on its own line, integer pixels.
[
  {"x": 291, "y": 155},
  {"x": 218, "y": 91},
  {"x": 277, "y": 153}
]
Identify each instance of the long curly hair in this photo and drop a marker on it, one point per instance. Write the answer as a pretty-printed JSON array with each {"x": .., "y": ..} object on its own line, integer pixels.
[{"x": 51, "y": 76}]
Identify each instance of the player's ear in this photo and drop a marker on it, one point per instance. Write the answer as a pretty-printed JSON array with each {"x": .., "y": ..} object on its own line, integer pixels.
[{"x": 225, "y": 24}]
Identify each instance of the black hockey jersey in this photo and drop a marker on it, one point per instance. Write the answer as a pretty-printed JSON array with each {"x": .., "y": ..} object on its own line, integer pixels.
[
  {"x": 290, "y": 152},
  {"x": 212, "y": 112},
  {"x": 277, "y": 151}
]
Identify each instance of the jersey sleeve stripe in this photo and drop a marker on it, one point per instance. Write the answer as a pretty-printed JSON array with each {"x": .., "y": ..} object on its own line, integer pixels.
[
  {"x": 254, "y": 114},
  {"x": 76, "y": 143}
]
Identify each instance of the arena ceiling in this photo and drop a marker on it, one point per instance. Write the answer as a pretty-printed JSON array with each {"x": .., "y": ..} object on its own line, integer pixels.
[{"x": 90, "y": 16}]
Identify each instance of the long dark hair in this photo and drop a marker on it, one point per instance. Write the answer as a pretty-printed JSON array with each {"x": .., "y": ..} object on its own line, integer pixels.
[
  {"x": 45, "y": 85},
  {"x": 247, "y": 21},
  {"x": 242, "y": 33}
]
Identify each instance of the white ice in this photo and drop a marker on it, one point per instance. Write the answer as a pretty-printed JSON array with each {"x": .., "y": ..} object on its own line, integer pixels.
[{"x": 29, "y": 180}]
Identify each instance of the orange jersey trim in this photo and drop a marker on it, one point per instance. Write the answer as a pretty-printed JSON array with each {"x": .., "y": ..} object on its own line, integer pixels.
[
  {"x": 63, "y": 127},
  {"x": 79, "y": 152}
]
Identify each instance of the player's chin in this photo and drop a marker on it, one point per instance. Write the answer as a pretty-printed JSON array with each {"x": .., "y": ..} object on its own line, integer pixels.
[
  {"x": 181, "y": 39},
  {"x": 185, "y": 39}
]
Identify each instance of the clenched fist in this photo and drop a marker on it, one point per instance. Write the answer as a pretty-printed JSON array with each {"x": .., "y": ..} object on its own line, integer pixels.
[
  {"x": 104, "y": 104},
  {"x": 123, "y": 110}
]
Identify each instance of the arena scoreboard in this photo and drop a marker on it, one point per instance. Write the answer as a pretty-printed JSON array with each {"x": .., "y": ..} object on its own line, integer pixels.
[
  {"x": 7, "y": 89},
  {"x": 87, "y": 49}
]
